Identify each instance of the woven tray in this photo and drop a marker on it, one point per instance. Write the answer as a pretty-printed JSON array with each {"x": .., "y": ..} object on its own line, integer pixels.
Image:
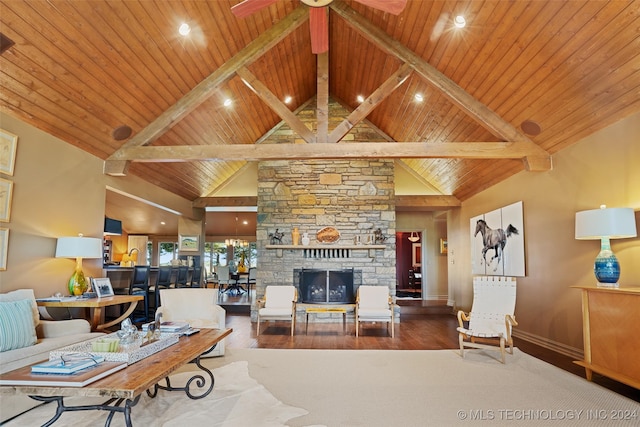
[{"x": 130, "y": 354}]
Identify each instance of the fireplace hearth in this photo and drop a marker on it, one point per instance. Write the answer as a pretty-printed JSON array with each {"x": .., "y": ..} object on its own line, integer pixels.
[{"x": 317, "y": 286}]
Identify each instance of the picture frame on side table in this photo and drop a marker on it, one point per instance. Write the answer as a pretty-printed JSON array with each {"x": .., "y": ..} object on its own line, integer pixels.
[
  {"x": 102, "y": 287},
  {"x": 188, "y": 243},
  {"x": 4, "y": 248},
  {"x": 6, "y": 193},
  {"x": 8, "y": 148}
]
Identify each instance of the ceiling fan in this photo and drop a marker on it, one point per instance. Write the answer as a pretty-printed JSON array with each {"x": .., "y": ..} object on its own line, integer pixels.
[{"x": 318, "y": 20}]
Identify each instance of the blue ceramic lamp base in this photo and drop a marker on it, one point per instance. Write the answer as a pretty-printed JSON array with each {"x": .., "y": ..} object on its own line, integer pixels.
[{"x": 607, "y": 267}]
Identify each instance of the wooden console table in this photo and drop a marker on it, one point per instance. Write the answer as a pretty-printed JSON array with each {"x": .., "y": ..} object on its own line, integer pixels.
[
  {"x": 611, "y": 348},
  {"x": 97, "y": 305}
]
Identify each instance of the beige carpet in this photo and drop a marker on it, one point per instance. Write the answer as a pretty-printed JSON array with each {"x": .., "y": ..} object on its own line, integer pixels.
[{"x": 379, "y": 388}]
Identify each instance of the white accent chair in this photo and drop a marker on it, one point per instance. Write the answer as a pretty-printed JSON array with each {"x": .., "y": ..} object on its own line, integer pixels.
[
  {"x": 197, "y": 306},
  {"x": 374, "y": 304},
  {"x": 279, "y": 303},
  {"x": 491, "y": 317}
]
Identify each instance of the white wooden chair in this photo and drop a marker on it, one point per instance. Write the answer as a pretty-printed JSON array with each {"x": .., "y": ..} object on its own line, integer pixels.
[
  {"x": 279, "y": 303},
  {"x": 374, "y": 304},
  {"x": 491, "y": 317},
  {"x": 196, "y": 306}
]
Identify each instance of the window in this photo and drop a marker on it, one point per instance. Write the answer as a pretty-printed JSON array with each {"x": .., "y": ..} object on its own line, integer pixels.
[
  {"x": 215, "y": 253},
  {"x": 168, "y": 252}
]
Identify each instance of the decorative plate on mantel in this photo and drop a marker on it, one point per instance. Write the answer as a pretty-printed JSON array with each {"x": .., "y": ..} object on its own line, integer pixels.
[{"x": 328, "y": 235}]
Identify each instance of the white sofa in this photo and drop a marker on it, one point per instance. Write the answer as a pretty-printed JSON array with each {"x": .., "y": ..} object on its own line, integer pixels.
[
  {"x": 196, "y": 306},
  {"x": 49, "y": 335}
]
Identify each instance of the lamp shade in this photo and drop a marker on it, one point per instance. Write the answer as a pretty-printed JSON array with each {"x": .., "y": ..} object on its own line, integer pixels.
[
  {"x": 79, "y": 247},
  {"x": 614, "y": 223}
]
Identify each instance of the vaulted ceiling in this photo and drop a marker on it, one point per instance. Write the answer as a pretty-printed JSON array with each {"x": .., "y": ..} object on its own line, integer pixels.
[{"x": 523, "y": 80}]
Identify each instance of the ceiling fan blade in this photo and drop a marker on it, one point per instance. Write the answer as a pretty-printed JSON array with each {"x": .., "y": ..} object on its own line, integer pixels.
[
  {"x": 247, "y": 7},
  {"x": 393, "y": 7},
  {"x": 319, "y": 26}
]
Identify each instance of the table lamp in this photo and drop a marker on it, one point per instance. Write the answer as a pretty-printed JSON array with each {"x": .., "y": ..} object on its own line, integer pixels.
[
  {"x": 78, "y": 248},
  {"x": 605, "y": 224}
]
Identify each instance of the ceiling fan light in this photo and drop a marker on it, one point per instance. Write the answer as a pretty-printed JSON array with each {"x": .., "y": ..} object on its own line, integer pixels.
[{"x": 316, "y": 3}]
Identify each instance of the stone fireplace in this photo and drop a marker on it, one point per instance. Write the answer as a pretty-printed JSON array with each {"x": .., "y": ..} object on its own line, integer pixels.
[{"x": 356, "y": 197}]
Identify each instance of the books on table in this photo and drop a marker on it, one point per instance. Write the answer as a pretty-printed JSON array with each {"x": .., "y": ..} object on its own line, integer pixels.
[
  {"x": 169, "y": 326},
  {"x": 69, "y": 366},
  {"x": 81, "y": 378}
]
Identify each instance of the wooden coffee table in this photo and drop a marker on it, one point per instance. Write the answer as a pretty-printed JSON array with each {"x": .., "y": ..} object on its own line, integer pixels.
[{"x": 124, "y": 388}]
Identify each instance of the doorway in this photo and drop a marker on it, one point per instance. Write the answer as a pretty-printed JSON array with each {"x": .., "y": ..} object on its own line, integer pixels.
[{"x": 409, "y": 264}]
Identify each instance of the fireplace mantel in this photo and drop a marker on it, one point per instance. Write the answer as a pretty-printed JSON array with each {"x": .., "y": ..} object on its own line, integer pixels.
[{"x": 370, "y": 248}]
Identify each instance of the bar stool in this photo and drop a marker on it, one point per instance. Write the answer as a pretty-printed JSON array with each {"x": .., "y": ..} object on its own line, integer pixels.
[
  {"x": 163, "y": 281},
  {"x": 140, "y": 286}
]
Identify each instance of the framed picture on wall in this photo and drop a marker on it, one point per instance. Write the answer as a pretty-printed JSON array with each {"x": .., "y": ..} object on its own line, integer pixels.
[
  {"x": 443, "y": 246},
  {"x": 416, "y": 254},
  {"x": 4, "y": 247},
  {"x": 188, "y": 243},
  {"x": 6, "y": 192},
  {"x": 8, "y": 147}
]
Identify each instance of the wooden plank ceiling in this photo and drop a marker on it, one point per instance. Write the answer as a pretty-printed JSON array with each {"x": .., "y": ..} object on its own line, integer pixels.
[{"x": 80, "y": 69}]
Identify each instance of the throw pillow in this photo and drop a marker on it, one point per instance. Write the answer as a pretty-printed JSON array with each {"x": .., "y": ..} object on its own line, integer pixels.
[
  {"x": 16, "y": 325},
  {"x": 21, "y": 294}
]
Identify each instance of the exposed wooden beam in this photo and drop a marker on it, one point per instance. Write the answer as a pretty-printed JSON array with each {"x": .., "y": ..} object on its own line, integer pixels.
[
  {"x": 258, "y": 152},
  {"x": 275, "y": 104},
  {"x": 379, "y": 95},
  {"x": 203, "y": 90},
  {"x": 430, "y": 202},
  {"x": 322, "y": 110},
  {"x": 245, "y": 201},
  {"x": 467, "y": 103},
  {"x": 403, "y": 203}
]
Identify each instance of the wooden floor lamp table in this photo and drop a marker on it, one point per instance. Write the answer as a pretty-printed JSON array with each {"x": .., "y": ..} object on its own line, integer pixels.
[{"x": 96, "y": 305}]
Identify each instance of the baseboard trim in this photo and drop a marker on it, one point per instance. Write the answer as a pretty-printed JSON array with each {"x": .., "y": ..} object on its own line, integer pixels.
[{"x": 572, "y": 352}]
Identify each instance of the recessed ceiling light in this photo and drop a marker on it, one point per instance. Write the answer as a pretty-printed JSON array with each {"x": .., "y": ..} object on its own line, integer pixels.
[
  {"x": 360, "y": 98},
  {"x": 419, "y": 97},
  {"x": 227, "y": 102},
  {"x": 162, "y": 223},
  {"x": 287, "y": 99},
  {"x": 459, "y": 21},
  {"x": 184, "y": 29},
  {"x": 245, "y": 222}
]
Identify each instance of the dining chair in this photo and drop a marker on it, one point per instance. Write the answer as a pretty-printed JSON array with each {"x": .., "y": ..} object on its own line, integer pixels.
[{"x": 224, "y": 277}]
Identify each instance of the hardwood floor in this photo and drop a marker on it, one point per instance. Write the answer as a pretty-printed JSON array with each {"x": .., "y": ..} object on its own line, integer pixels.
[{"x": 415, "y": 332}]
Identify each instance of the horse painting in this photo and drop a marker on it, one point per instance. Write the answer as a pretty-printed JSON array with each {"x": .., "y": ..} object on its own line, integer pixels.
[{"x": 493, "y": 239}]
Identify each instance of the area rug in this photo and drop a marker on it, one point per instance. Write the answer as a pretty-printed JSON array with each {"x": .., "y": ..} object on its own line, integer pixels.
[
  {"x": 431, "y": 388},
  {"x": 236, "y": 401},
  {"x": 269, "y": 387}
]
